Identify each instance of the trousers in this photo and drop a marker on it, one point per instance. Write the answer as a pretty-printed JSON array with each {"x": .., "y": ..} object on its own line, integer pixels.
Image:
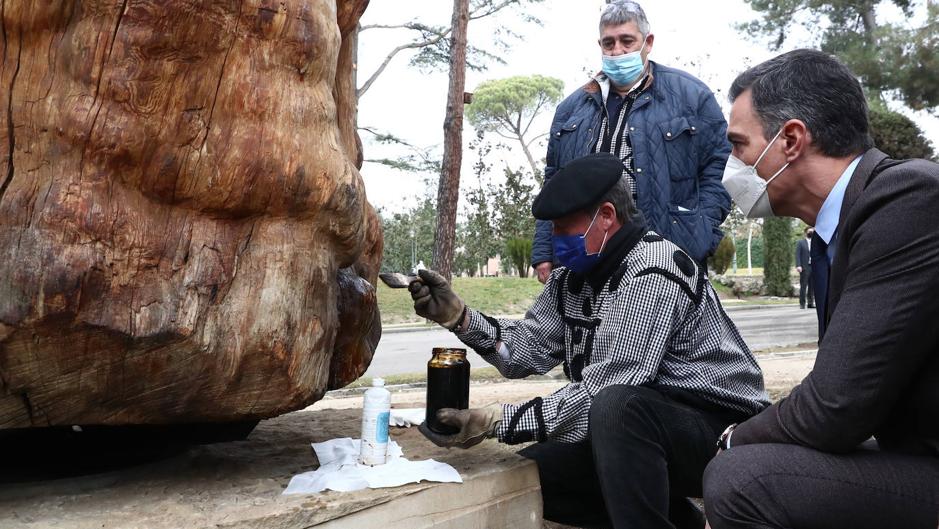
[
  {"x": 645, "y": 456},
  {"x": 794, "y": 487},
  {"x": 806, "y": 288}
]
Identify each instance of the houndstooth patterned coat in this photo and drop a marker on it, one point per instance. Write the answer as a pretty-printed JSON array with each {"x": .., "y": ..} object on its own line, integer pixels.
[{"x": 655, "y": 321}]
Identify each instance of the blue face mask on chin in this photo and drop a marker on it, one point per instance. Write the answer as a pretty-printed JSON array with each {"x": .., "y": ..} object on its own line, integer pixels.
[
  {"x": 624, "y": 69},
  {"x": 571, "y": 250}
]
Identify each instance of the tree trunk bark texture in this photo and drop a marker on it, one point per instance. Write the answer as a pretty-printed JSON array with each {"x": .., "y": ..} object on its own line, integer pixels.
[
  {"x": 448, "y": 190},
  {"x": 184, "y": 233}
]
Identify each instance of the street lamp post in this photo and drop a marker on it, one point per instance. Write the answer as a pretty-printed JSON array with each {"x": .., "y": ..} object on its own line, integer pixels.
[{"x": 413, "y": 251}]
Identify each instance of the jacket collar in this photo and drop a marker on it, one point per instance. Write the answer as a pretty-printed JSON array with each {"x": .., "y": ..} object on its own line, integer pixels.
[
  {"x": 863, "y": 174},
  {"x": 598, "y": 87},
  {"x": 869, "y": 161},
  {"x": 619, "y": 245}
]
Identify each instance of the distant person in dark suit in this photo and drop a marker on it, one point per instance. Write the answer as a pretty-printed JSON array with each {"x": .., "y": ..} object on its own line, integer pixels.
[
  {"x": 799, "y": 130},
  {"x": 804, "y": 267}
]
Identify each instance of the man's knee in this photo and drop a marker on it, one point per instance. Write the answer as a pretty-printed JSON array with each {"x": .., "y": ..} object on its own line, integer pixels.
[
  {"x": 728, "y": 494},
  {"x": 720, "y": 491},
  {"x": 614, "y": 404}
]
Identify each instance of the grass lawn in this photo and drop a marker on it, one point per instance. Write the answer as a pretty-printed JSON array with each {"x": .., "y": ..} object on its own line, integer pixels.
[
  {"x": 498, "y": 296},
  {"x": 492, "y": 295}
]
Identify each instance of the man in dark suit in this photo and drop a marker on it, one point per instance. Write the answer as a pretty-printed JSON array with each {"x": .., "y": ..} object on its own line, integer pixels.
[
  {"x": 804, "y": 267},
  {"x": 809, "y": 460}
]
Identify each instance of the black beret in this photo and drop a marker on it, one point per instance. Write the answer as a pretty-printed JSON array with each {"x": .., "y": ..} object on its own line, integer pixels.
[{"x": 577, "y": 186}]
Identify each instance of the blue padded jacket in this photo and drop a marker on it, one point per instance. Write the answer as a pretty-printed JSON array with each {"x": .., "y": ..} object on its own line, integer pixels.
[{"x": 680, "y": 147}]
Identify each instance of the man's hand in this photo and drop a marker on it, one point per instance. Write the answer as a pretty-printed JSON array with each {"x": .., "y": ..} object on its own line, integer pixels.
[
  {"x": 435, "y": 300},
  {"x": 544, "y": 270},
  {"x": 475, "y": 424},
  {"x": 799, "y": 269}
]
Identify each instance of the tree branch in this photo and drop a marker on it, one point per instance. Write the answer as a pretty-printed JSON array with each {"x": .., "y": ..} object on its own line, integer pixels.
[
  {"x": 513, "y": 138},
  {"x": 507, "y": 121},
  {"x": 408, "y": 25},
  {"x": 541, "y": 101},
  {"x": 479, "y": 12},
  {"x": 536, "y": 138},
  {"x": 419, "y": 44},
  {"x": 494, "y": 9}
]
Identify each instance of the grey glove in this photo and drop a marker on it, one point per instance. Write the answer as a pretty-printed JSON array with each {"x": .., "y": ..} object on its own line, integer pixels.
[
  {"x": 435, "y": 300},
  {"x": 475, "y": 424}
]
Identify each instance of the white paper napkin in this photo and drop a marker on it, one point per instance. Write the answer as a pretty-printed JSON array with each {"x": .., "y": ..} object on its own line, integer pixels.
[
  {"x": 340, "y": 471},
  {"x": 406, "y": 417}
]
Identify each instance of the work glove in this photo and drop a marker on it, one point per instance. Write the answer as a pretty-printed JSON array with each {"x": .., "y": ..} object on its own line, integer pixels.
[
  {"x": 475, "y": 424},
  {"x": 435, "y": 300}
]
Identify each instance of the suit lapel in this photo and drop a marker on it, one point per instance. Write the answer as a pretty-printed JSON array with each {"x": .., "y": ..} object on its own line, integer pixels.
[{"x": 859, "y": 181}]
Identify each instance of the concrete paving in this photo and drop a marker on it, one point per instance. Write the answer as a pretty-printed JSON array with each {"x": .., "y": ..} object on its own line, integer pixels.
[{"x": 762, "y": 327}]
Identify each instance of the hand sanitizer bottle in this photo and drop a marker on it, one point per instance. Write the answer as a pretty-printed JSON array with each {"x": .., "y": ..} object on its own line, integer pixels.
[{"x": 375, "y": 412}]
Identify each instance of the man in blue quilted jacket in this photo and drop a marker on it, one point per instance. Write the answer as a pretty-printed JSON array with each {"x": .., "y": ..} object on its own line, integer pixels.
[{"x": 664, "y": 124}]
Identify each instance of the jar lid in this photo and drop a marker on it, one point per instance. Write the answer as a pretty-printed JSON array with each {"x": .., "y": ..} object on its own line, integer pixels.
[{"x": 449, "y": 350}]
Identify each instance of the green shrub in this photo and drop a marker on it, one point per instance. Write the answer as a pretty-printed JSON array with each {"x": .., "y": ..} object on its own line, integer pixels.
[
  {"x": 778, "y": 256},
  {"x": 518, "y": 251},
  {"x": 720, "y": 261},
  {"x": 897, "y": 135}
]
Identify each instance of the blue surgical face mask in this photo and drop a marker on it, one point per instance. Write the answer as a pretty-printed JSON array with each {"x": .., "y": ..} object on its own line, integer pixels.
[
  {"x": 571, "y": 250},
  {"x": 624, "y": 69}
]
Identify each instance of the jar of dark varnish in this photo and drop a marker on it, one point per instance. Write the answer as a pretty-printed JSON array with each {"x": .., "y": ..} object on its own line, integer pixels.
[{"x": 448, "y": 376}]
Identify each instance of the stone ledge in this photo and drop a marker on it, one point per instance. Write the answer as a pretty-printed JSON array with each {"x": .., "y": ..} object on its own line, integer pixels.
[{"x": 238, "y": 485}]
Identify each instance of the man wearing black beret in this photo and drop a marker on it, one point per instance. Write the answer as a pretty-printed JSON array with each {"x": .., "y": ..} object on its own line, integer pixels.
[{"x": 657, "y": 370}]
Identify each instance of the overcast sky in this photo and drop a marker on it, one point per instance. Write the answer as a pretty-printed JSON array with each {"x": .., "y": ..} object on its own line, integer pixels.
[{"x": 698, "y": 37}]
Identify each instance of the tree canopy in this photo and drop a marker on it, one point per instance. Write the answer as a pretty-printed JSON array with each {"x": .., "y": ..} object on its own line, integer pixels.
[
  {"x": 507, "y": 107},
  {"x": 897, "y": 135},
  {"x": 887, "y": 57}
]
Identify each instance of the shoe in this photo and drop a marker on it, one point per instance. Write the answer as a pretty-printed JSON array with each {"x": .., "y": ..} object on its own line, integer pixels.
[
  {"x": 811, "y": 306},
  {"x": 801, "y": 306}
]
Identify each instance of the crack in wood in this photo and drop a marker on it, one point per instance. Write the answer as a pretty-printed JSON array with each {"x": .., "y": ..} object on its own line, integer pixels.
[
  {"x": 28, "y": 405},
  {"x": 10, "y": 130},
  {"x": 105, "y": 59},
  {"x": 221, "y": 74},
  {"x": 94, "y": 121}
]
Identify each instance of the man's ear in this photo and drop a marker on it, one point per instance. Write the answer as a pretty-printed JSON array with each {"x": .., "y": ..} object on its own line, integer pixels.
[
  {"x": 797, "y": 139},
  {"x": 607, "y": 215}
]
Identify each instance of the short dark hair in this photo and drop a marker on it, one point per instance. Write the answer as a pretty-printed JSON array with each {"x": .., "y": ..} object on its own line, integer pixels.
[
  {"x": 816, "y": 88},
  {"x": 619, "y": 12},
  {"x": 622, "y": 200}
]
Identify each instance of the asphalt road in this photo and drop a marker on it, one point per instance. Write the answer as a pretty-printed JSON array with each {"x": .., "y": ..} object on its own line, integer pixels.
[{"x": 762, "y": 328}]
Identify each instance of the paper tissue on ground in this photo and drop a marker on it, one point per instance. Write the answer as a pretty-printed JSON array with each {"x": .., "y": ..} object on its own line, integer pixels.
[{"x": 340, "y": 471}]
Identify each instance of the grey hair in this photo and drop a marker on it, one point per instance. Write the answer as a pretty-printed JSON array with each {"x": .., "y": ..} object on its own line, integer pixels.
[
  {"x": 622, "y": 200},
  {"x": 816, "y": 88},
  {"x": 619, "y": 12}
]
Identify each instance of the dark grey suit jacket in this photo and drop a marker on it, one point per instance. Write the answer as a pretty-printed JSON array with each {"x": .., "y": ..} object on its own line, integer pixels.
[
  {"x": 877, "y": 369},
  {"x": 803, "y": 256}
]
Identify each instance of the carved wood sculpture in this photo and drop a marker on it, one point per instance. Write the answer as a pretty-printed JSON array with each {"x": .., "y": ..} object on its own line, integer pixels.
[{"x": 184, "y": 233}]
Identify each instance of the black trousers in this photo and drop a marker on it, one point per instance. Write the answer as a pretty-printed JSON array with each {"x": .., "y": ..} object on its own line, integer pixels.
[
  {"x": 806, "y": 288},
  {"x": 645, "y": 456},
  {"x": 793, "y": 487}
]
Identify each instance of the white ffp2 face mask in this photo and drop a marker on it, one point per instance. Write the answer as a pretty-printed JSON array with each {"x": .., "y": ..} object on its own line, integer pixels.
[{"x": 746, "y": 187}]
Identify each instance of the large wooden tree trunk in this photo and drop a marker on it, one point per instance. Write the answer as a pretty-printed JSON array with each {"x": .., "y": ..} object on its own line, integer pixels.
[
  {"x": 184, "y": 234},
  {"x": 448, "y": 189}
]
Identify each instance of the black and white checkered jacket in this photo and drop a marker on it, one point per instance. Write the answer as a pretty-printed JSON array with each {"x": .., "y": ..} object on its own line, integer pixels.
[{"x": 655, "y": 321}]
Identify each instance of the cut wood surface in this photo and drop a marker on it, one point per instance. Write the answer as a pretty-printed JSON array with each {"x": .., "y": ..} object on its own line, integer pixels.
[{"x": 184, "y": 233}]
